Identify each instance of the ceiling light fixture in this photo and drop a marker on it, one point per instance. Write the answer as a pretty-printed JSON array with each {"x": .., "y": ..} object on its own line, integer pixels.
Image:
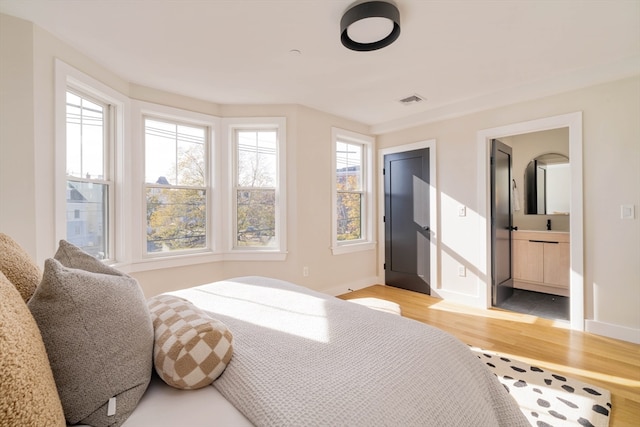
[{"x": 371, "y": 25}]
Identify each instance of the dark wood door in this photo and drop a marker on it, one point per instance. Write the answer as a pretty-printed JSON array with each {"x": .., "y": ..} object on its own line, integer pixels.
[
  {"x": 501, "y": 223},
  {"x": 407, "y": 222}
]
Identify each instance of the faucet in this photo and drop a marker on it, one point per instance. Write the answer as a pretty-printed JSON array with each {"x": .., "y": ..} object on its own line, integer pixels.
[{"x": 549, "y": 225}]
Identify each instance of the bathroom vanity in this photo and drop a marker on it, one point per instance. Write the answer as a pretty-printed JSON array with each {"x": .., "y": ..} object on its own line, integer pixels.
[{"x": 541, "y": 261}]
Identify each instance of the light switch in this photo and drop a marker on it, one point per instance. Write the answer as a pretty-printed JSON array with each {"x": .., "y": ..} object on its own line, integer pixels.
[
  {"x": 462, "y": 210},
  {"x": 627, "y": 211}
]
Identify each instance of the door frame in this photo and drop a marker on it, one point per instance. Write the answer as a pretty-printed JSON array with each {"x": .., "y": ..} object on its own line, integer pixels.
[
  {"x": 434, "y": 277},
  {"x": 573, "y": 121}
]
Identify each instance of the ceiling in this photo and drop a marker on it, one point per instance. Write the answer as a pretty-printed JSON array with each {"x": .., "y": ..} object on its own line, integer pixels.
[{"x": 461, "y": 56}]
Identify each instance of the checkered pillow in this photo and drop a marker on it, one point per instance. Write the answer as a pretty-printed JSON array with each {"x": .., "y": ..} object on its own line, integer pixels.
[{"x": 191, "y": 349}]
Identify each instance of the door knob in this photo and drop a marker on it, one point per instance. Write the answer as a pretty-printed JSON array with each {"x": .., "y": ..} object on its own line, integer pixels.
[{"x": 512, "y": 228}]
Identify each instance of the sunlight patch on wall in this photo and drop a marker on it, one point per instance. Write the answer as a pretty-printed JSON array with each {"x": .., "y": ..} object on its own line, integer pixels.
[{"x": 459, "y": 230}]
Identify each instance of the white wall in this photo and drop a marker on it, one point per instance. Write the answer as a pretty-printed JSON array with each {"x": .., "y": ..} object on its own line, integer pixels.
[
  {"x": 17, "y": 180},
  {"x": 611, "y": 177},
  {"x": 611, "y": 170},
  {"x": 27, "y": 166},
  {"x": 27, "y": 130}
]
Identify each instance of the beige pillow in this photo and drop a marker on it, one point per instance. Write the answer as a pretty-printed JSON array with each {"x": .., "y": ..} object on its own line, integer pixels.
[
  {"x": 96, "y": 327},
  {"x": 18, "y": 267},
  {"x": 191, "y": 349},
  {"x": 28, "y": 395}
]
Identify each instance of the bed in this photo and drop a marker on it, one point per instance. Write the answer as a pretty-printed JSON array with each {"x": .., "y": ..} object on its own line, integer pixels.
[
  {"x": 79, "y": 343},
  {"x": 304, "y": 358}
]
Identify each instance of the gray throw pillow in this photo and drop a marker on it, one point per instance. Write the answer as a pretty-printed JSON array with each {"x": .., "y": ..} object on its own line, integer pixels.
[{"x": 98, "y": 334}]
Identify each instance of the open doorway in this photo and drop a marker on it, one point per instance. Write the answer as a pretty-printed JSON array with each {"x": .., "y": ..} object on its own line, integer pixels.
[
  {"x": 573, "y": 122},
  {"x": 530, "y": 193}
]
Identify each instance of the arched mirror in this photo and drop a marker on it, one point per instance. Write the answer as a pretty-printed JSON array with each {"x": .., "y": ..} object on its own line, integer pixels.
[{"x": 547, "y": 182}]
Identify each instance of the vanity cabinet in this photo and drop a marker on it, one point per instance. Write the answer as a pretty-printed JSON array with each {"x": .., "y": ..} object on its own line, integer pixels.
[{"x": 541, "y": 261}]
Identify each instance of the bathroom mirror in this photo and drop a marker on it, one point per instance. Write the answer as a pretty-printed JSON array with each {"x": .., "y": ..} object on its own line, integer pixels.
[{"x": 547, "y": 182}]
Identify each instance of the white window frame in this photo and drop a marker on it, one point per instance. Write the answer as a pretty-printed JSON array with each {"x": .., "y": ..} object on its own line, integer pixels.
[
  {"x": 127, "y": 246},
  {"x": 252, "y": 253},
  {"x": 69, "y": 78},
  {"x": 366, "y": 242},
  {"x": 147, "y": 261}
]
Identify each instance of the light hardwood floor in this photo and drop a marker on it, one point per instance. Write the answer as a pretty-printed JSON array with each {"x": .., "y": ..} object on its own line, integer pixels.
[{"x": 606, "y": 362}]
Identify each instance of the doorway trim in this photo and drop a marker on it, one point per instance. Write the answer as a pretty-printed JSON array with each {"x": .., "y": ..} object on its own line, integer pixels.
[
  {"x": 434, "y": 276},
  {"x": 576, "y": 281}
]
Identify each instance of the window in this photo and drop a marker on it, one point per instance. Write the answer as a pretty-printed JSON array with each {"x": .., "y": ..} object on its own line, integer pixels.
[
  {"x": 255, "y": 187},
  {"x": 257, "y": 196},
  {"x": 349, "y": 191},
  {"x": 89, "y": 184},
  {"x": 89, "y": 154},
  {"x": 352, "y": 185},
  {"x": 140, "y": 193},
  {"x": 176, "y": 186}
]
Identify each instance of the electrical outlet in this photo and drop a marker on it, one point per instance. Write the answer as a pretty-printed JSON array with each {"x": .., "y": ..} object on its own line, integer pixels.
[
  {"x": 462, "y": 271},
  {"x": 627, "y": 211},
  {"x": 462, "y": 210},
  {"x": 305, "y": 271}
]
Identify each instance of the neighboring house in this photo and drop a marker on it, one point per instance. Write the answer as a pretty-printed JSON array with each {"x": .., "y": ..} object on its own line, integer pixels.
[
  {"x": 611, "y": 178},
  {"x": 84, "y": 222}
]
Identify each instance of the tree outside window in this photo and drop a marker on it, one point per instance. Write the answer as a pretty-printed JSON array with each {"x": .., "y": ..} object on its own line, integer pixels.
[
  {"x": 349, "y": 191},
  {"x": 255, "y": 189},
  {"x": 175, "y": 181}
]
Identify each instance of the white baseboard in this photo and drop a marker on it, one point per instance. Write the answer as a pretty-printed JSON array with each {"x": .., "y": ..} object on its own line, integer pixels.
[
  {"x": 613, "y": 331},
  {"x": 353, "y": 286}
]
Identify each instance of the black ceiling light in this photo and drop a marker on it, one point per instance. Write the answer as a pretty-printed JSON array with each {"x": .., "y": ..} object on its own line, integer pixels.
[{"x": 370, "y": 25}]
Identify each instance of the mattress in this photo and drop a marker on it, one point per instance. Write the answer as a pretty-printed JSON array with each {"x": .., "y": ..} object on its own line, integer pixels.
[{"x": 165, "y": 406}]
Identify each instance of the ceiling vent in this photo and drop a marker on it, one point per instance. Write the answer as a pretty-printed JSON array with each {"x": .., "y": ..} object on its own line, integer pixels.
[{"x": 411, "y": 100}]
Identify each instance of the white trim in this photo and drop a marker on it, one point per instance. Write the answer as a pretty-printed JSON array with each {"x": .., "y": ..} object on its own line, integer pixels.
[
  {"x": 434, "y": 279},
  {"x": 227, "y": 169},
  {"x": 574, "y": 122},
  {"x": 351, "y": 247},
  {"x": 67, "y": 76},
  {"x": 613, "y": 331},
  {"x": 367, "y": 242},
  {"x": 140, "y": 110}
]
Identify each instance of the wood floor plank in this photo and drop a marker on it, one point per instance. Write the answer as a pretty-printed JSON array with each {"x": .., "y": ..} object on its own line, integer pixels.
[{"x": 598, "y": 360}]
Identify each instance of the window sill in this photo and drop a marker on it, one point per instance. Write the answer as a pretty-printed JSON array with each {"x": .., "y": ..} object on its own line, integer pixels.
[
  {"x": 353, "y": 247},
  {"x": 171, "y": 261}
]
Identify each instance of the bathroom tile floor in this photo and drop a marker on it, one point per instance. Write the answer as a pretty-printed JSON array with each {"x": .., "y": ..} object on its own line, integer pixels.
[{"x": 538, "y": 304}]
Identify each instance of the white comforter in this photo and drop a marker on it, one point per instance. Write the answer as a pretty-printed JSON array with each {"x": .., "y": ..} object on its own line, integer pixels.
[{"x": 302, "y": 358}]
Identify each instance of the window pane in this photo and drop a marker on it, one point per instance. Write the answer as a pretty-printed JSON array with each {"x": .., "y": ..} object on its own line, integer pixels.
[
  {"x": 348, "y": 166},
  {"x": 191, "y": 156},
  {"x": 176, "y": 219},
  {"x": 257, "y": 158},
  {"x": 87, "y": 222},
  {"x": 85, "y": 138},
  {"x": 256, "y": 218},
  {"x": 349, "y": 216},
  {"x": 174, "y": 154}
]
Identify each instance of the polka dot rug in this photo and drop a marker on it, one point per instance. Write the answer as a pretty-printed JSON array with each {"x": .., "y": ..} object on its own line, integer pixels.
[{"x": 547, "y": 398}]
